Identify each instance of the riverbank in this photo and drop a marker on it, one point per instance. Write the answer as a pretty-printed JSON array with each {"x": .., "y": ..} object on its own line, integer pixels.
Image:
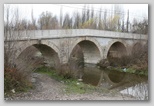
[{"x": 47, "y": 88}]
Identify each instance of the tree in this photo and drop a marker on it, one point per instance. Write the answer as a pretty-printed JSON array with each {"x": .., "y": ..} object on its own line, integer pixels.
[
  {"x": 15, "y": 74},
  {"x": 77, "y": 20},
  {"x": 32, "y": 25},
  {"x": 11, "y": 22},
  {"x": 67, "y": 23},
  {"x": 105, "y": 21},
  {"x": 119, "y": 12},
  {"x": 91, "y": 23},
  {"x": 100, "y": 26},
  {"x": 48, "y": 21},
  {"x": 112, "y": 23},
  {"x": 87, "y": 13},
  {"x": 116, "y": 21},
  {"x": 140, "y": 27},
  {"x": 45, "y": 20},
  {"x": 92, "y": 12},
  {"x": 83, "y": 19}
]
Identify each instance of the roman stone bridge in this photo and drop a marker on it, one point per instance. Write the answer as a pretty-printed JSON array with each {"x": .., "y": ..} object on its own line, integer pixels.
[{"x": 57, "y": 45}]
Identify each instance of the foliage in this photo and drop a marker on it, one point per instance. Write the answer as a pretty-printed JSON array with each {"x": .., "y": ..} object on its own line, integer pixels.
[
  {"x": 129, "y": 70},
  {"x": 113, "y": 23},
  {"x": 13, "y": 79},
  {"x": 140, "y": 27},
  {"x": 88, "y": 18},
  {"x": 88, "y": 23}
]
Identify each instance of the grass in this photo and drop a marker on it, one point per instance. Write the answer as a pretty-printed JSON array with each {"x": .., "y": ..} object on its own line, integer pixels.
[
  {"x": 76, "y": 87},
  {"x": 72, "y": 85},
  {"x": 50, "y": 72},
  {"x": 130, "y": 70}
]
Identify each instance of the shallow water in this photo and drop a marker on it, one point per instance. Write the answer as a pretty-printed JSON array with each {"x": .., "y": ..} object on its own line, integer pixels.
[
  {"x": 91, "y": 75},
  {"x": 125, "y": 82}
]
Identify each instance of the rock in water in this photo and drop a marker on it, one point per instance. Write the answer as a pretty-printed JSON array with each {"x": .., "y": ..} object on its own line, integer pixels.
[{"x": 104, "y": 63}]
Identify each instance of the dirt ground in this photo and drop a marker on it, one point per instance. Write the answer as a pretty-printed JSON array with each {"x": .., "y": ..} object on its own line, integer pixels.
[{"x": 47, "y": 88}]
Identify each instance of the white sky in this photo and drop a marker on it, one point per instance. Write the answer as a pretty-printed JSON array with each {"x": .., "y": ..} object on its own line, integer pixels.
[{"x": 139, "y": 11}]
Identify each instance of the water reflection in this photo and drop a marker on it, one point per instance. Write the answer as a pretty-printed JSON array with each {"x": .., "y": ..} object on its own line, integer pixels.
[
  {"x": 112, "y": 79},
  {"x": 91, "y": 74}
]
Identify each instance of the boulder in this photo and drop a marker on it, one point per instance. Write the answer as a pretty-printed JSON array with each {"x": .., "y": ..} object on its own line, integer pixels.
[{"x": 104, "y": 63}]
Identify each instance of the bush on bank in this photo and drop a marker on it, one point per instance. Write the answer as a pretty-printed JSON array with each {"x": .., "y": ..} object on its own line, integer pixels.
[{"x": 15, "y": 80}]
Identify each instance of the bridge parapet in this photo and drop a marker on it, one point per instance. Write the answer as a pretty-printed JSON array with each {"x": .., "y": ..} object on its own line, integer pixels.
[{"x": 62, "y": 33}]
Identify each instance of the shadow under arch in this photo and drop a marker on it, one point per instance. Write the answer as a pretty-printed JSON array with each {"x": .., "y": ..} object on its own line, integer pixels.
[
  {"x": 92, "y": 50},
  {"x": 112, "y": 42},
  {"x": 36, "y": 55},
  {"x": 116, "y": 51}
]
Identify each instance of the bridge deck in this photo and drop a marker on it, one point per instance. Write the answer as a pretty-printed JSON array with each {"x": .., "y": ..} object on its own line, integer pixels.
[{"x": 61, "y": 33}]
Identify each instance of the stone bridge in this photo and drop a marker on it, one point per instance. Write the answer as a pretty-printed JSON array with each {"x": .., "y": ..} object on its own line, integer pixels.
[{"x": 95, "y": 44}]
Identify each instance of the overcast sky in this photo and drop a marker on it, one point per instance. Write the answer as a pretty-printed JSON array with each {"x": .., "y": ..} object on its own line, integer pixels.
[{"x": 139, "y": 11}]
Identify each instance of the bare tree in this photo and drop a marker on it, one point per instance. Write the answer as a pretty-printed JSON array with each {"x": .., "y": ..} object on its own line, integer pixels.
[
  {"x": 105, "y": 17},
  {"x": 140, "y": 27},
  {"x": 77, "y": 20},
  {"x": 12, "y": 79},
  {"x": 12, "y": 31},
  {"x": 100, "y": 26},
  {"x": 11, "y": 21},
  {"x": 45, "y": 20},
  {"x": 67, "y": 23},
  {"x": 87, "y": 13},
  {"x": 116, "y": 20},
  {"x": 33, "y": 23},
  {"x": 48, "y": 21},
  {"x": 83, "y": 19}
]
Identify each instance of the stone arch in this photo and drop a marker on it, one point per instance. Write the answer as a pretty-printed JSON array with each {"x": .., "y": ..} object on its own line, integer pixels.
[
  {"x": 21, "y": 46},
  {"x": 27, "y": 55},
  {"x": 107, "y": 48},
  {"x": 94, "y": 56},
  {"x": 51, "y": 58},
  {"x": 116, "y": 52},
  {"x": 137, "y": 48},
  {"x": 52, "y": 45}
]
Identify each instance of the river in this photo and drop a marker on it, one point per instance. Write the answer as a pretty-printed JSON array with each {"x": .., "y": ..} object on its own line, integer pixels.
[{"x": 125, "y": 83}]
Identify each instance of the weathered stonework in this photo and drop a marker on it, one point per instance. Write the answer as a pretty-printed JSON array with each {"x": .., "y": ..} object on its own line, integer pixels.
[{"x": 95, "y": 43}]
